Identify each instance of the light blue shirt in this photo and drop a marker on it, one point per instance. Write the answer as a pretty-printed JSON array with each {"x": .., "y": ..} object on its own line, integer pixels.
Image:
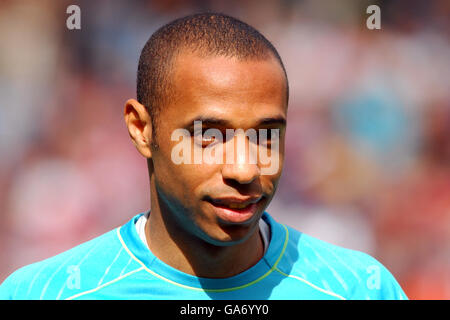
[{"x": 118, "y": 265}]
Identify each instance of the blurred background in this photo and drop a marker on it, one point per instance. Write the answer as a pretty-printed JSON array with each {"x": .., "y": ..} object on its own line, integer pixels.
[{"x": 368, "y": 141}]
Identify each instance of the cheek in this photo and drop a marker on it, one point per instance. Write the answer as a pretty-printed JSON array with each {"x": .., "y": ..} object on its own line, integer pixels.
[
  {"x": 271, "y": 163},
  {"x": 172, "y": 177},
  {"x": 273, "y": 172},
  {"x": 270, "y": 183},
  {"x": 183, "y": 181}
]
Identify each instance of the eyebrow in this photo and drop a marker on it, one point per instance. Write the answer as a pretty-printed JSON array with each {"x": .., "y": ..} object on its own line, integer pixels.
[
  {"x": 271, "y": 121},
  {"x": 208, "y": 121},
  {"x": 218, "y": 122}
]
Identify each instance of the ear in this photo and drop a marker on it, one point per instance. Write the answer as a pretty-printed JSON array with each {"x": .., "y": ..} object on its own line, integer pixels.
[{"x": 139, "y": 126}]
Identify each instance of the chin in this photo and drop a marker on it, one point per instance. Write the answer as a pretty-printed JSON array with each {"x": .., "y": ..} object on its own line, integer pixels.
[
  {"x": 230, "y": 235},
  {"x": 220, "y": 232}
]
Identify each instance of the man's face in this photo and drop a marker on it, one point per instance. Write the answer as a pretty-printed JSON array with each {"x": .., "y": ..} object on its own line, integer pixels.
[{"x": 220, "y": 202}]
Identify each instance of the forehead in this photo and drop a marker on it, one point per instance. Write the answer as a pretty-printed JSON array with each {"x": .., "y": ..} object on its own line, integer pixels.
[{"x": 239, "y": 91}]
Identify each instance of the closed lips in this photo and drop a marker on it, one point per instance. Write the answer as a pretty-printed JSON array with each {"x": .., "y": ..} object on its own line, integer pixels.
[{"x": 234, "y": 203}]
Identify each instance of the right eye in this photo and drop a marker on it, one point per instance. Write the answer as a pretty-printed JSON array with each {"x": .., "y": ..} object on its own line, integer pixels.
[{"x": 204, "y": 139}]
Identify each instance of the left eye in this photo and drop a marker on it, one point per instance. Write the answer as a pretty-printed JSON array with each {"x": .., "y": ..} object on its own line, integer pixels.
[{"x": 266, "y": 137}]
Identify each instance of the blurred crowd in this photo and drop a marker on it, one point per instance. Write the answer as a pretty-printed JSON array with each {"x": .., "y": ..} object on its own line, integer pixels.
[{"x": 368, "y": 139}]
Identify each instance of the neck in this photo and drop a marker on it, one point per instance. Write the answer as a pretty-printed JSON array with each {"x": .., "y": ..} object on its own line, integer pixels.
[{"x": 186, "y": 252}]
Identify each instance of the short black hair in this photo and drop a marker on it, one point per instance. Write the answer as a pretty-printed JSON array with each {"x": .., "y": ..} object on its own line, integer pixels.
[{"x": 207, "y": 34}]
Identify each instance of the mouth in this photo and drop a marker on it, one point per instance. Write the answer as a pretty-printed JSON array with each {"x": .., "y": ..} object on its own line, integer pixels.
[{"x": 234, "y": 210}]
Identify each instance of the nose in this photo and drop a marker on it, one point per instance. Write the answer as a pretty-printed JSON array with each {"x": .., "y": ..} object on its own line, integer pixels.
[
  {"x": 243, "y": 168},
  {"x": 241, "y": 172}
]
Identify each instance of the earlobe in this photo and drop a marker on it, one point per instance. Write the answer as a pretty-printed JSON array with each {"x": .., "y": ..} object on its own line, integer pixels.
[{"x": 139, "y": 126}]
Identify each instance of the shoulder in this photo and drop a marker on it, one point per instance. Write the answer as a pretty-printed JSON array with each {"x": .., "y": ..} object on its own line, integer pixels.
[
  {"x": 349, "y": 273},
  {"x": 55, "y": 277}
]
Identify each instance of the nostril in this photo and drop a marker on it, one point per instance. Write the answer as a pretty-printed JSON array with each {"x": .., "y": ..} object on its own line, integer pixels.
[{"x": 242, "y": 174}]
